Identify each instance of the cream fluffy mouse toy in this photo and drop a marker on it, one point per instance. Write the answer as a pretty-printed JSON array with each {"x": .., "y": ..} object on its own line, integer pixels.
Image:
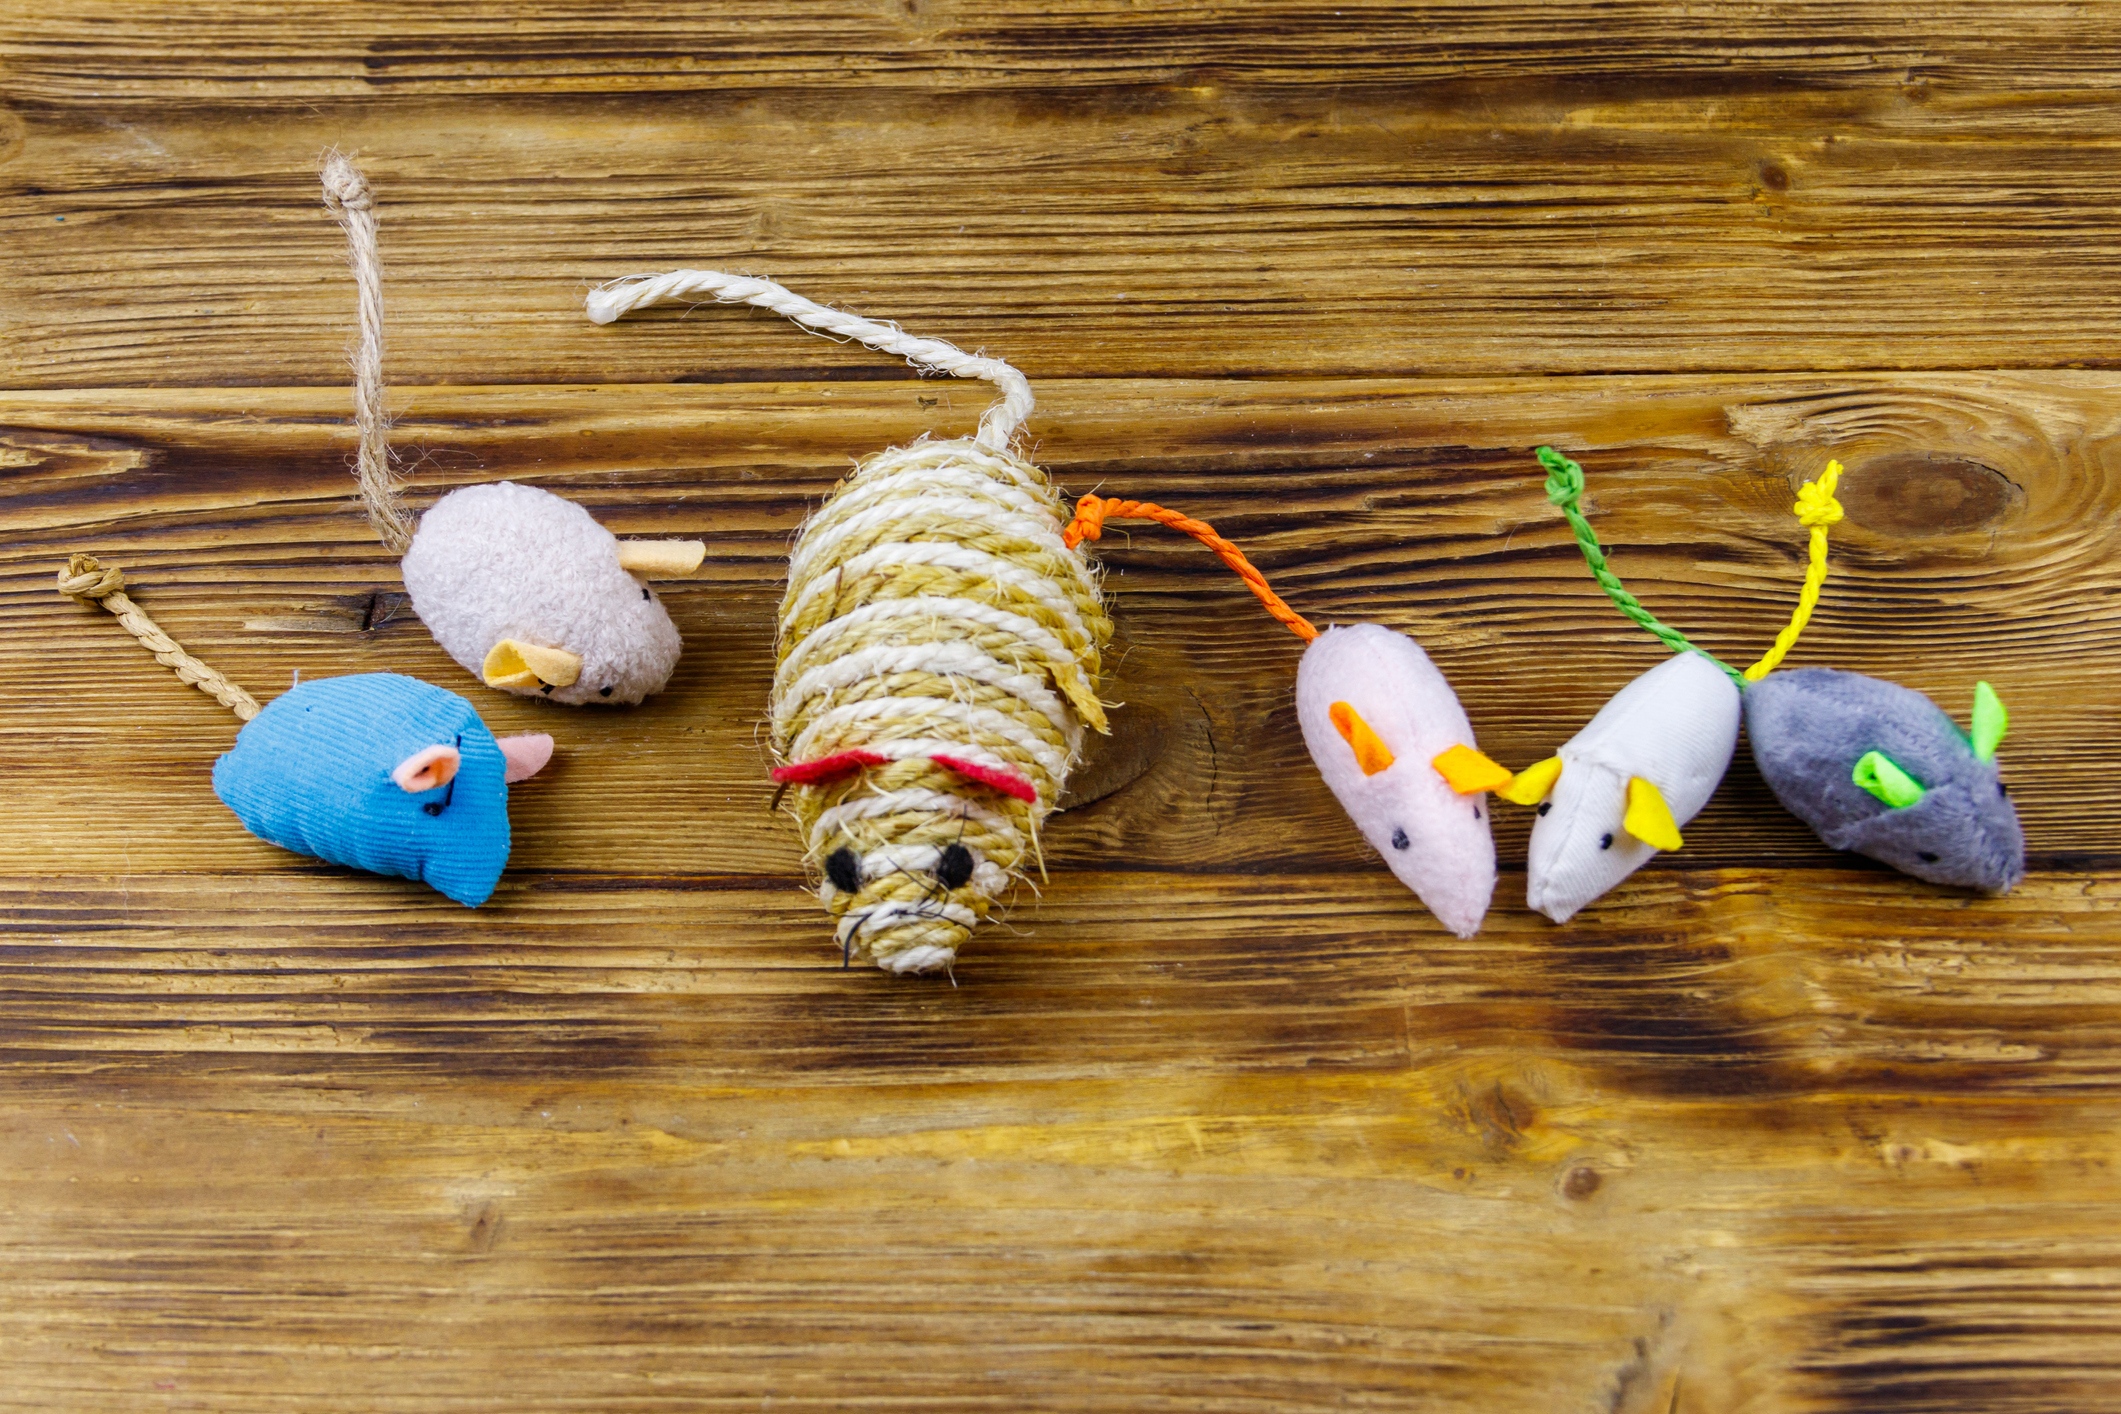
[{"x": 522, "y": 587}]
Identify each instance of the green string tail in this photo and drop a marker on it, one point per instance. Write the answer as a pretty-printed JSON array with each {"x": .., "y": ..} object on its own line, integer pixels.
[{"x": 1565, "y": 489}]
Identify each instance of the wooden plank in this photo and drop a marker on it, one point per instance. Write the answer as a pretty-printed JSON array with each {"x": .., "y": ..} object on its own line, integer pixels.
[{"x": 1585, "y": 188}]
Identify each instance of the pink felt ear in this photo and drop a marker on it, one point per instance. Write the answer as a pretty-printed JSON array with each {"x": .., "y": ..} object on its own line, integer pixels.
[
  {"x": 427, "y": 768},
  {"x": 527, "y": 754}
]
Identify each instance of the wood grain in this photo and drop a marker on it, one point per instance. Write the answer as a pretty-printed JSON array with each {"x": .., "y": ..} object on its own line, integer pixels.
[{"x": 1217, "y": 1118}]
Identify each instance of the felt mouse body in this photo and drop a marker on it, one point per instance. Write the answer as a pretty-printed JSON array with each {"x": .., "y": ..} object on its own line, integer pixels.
[
  {"x": 522, "y": 587},
  {"x": 374, "y": 771},
  {"x": 1652, "y": 757},
  {"x": 1641, "y": 768},
  {"x": 1880, "y": 769},
  {"x": 383, "y": 773},
  {"x": 529, "y": 592},
  {"x": 1384, "y": 729},
  {"x": 1376, "y": 716}
]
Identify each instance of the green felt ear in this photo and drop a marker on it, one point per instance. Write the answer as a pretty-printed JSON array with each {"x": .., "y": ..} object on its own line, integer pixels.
[
  {"x": 1877, "y": 774},
  {"x": 1990, "y": 721}
]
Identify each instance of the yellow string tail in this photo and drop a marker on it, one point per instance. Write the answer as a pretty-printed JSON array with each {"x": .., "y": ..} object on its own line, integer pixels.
[
  {"x": 1817, "y": 508},
  {"x": 1091, "y": 513},
  {"x": 92, "y": 582}
]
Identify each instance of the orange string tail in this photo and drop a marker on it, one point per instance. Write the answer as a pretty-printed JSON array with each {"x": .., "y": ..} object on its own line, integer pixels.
[{"x": 1091, "y": 513}]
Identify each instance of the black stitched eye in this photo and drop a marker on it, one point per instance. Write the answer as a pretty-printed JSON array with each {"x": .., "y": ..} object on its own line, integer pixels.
[
  {"x": 953, "y": 866},
  {"x": 1606, "y": 843},
  {"x": 2002, "y": 789},
  {"x": 844, "y": 868},
  {"x": 605, "y": 691},
  {"x": 1545, "y": 806},
  {"x": 546, "y": 689},
  {"x": 646, "y": 595},
  {"x": 1925, "y": 856},
  {"x": 1399, "y": 838},
  {"x": 1476, "y": 812}
]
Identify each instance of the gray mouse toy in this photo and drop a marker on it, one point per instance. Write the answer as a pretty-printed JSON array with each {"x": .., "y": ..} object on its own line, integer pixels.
[{"x": 1880, "y": 769}]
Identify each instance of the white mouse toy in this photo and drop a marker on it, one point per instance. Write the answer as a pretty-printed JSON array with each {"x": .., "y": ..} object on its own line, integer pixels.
[
  {"x": 522, "y": 587},
  {"x": 1385, "y": 731},
  {"x": 1618, "y": 793},
  {"x": 1622, "y": 787}
]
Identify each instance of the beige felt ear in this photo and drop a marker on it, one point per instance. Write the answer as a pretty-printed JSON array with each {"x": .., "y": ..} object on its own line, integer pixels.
[
  {"x": 661, "y": 559},
  {"x": 426, "y": 769},
  {"x": 528, "y": 667}
]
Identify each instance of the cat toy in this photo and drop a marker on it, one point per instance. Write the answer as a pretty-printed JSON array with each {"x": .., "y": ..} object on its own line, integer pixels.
[
  {"x": 1383, "y": 727},
  {"x": 937, "y": 655},
  {"x": 1651, "y": 758},
  {"x": 375, "y": 771},
  {"x": 522, "y": 587}
]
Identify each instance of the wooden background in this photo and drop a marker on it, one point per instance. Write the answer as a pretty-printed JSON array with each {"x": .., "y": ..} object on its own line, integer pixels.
[{"x": 1220, "y": 1119}]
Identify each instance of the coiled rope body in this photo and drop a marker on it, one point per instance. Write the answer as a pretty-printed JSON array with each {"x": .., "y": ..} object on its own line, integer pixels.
[{"x": 938, "y": 651}]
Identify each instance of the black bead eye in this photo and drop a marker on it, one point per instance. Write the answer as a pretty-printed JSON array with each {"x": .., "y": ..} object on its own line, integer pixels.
[
  {"x": 1606, "y": 843},
  {"x": 646, "y": 595},
  {"x": 2002, "y": 789},
  {"x": 605, "y": 691},
  {"x": 1399, "y": 839},
  {"x": 1925, "y": 856},
  {"x": 1545, "y": 806},
  {"x": 953, "y": 866},
  {"x": 844, "y": 868}
]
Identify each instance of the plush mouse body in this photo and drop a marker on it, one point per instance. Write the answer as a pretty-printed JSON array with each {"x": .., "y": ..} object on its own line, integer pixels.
[
  {"x": 528, "y": 591},
  {"x": 1378, "y": 717},
  {"x": 1641, "y": 768},
  {"x": 1817, "y": 733},
  {"x": 382, "y": 773}
]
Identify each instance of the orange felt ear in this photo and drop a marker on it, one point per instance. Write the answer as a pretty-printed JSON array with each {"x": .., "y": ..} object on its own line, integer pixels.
[{"x": 1370, "y": 753}]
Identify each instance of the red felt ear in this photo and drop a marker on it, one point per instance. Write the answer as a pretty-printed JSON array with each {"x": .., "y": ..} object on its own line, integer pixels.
[
  {"x": 846, "y": 763},
  {"x": 827, "y": 768},
  {"x": 1006, "y": 781}
]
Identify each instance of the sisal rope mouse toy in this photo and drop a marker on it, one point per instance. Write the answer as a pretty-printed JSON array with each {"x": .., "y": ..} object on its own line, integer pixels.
[{"x": 938, "y": 650}]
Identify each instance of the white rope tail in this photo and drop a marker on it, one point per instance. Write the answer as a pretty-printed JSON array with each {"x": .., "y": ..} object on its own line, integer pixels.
[{"x": 996, "y": 429}]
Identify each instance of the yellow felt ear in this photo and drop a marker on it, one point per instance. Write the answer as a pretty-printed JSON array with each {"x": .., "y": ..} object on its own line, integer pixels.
[
  {"x": 1370, "y": 753},
  {"x": 1533, "y": 784},
  {"x": 529, "y": 667},
  {"x": 1649, "y": 819},
  {"x": 661, "y": 559},
  {"x": 1466, "y": 770}
]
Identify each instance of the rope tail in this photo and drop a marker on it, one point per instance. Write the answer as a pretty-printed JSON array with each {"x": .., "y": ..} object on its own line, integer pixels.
[
  {"x": 1091, "y": 513},
  {"x": 1816, "y": 508},
  {"x": 1565, "y": 490},
  {"x": 997, "y": 427},
  {"x": 87, "y": 579},
  {"x": 346, "y": 193}
]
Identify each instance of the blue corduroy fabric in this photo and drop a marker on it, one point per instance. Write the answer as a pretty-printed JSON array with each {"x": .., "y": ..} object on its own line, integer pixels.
[{"x": 311, "y": 773}]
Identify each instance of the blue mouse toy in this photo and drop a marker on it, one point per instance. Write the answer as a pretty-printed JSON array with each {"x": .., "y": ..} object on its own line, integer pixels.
[{"x": 375, "y": 771}]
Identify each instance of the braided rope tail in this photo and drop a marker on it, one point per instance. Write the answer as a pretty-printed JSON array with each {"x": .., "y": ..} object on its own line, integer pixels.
[
  {"x": 1091, "y": 513},
  {"x": 347, "y": 194},
  {"x": 998, "y": 426},
  {"x": 89, "y": 581},
  {"x": 1816, "y": 508}
]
